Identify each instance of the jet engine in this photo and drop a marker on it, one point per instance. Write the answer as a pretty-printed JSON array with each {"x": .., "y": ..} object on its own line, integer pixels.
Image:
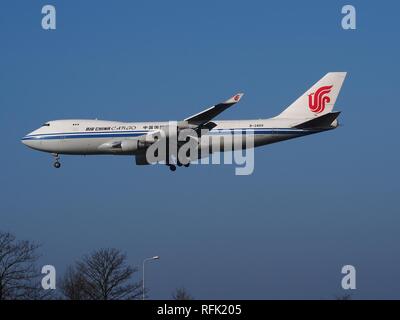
[{"x": 130, "y": 146}]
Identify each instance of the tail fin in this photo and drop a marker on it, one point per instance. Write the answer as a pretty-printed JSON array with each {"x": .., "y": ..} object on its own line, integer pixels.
[{"x": 318, "y": 100}]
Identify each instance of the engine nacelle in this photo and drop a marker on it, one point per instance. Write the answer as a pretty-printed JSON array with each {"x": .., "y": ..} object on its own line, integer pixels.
[
  {"x": 171, "y": 131},
  {"x": 133, "y": 145}
]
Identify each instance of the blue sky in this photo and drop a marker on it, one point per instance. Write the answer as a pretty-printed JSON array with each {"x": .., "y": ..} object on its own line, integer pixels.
[{"x": 312, "y": 205}]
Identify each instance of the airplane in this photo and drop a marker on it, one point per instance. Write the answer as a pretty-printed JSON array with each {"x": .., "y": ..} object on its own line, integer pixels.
[{"x": 311, "y": 113}]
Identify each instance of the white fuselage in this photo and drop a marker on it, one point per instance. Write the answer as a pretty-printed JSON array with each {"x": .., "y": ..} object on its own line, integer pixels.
[
  {"x": 195, "y": 137},
  {"x": 86, "y": 137}
]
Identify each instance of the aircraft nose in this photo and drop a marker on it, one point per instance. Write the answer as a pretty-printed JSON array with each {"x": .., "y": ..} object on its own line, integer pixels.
[{"x": 25, "y": 140}]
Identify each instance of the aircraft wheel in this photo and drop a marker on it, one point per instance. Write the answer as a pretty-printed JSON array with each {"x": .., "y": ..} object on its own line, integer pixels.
[
  {"x": 187, "y": 165},
  {"x": 57, "y": 164},
  {"x": 172, "y": 167}
]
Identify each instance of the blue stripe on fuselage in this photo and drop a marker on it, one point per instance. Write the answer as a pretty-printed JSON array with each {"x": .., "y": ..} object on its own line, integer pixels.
[{"x": 87, "y": 135}]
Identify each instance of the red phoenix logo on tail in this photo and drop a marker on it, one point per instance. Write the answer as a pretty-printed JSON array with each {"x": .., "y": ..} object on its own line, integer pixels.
[{"x": 318, "y": 99}]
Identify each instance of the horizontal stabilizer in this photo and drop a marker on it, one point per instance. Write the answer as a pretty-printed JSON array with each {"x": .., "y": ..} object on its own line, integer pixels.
[{"x": 322, "y": 122}]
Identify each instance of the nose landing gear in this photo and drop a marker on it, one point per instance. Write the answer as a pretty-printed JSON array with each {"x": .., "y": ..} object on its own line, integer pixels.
[{"x": 56, "y": 163}]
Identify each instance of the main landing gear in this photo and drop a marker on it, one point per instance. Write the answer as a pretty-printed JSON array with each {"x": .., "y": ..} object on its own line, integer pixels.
[
  {"x": 172, "y": 167},
  {"x": 56, "y": 163}
]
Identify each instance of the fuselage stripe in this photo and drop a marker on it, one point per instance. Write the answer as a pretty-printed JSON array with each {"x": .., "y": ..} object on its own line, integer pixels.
[{"x": 82, "y": 135}]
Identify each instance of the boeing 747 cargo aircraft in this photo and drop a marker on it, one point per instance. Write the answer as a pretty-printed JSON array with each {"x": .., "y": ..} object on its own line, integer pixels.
[{"x": 311, "y": 113}]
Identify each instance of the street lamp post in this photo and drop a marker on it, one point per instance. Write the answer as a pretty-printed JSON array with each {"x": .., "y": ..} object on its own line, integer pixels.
[{"x": 144, "y": 261}]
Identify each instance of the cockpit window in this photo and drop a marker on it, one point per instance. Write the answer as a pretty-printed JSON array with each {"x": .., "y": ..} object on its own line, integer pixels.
[{"x": 46, "y": 125}]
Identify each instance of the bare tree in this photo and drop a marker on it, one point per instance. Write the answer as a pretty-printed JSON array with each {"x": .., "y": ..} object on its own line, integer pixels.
[
  {"x": 72, "y": 285},
  {"x": 19, "y": 276},
  {"x": 102, "y": 275},
  {"x": 181, "y": 294}
]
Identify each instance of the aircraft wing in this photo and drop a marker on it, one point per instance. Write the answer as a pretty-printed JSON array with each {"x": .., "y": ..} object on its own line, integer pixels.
[
  {"x": 201, "y": 119},
  {"x": 207, "y": 115}
]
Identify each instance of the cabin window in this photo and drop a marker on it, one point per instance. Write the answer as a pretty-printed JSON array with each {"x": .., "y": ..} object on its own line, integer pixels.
[{"x": 75, "y": 124}]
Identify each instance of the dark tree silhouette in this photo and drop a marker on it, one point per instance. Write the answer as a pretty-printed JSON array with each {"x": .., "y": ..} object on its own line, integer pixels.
[
  {"x": 72, "y": 285},
  {"x": 19, "y": 276},
  {"x": 102, "y": 275},
  {"x": 181, "y": 294}
]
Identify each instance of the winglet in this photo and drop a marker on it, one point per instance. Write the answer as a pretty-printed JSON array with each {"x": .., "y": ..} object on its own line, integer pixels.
[{"x": 235, "y": 99}]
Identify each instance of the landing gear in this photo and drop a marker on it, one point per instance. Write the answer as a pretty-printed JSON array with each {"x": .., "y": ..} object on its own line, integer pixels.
[
  {"x": 56, "y": 163},
  {"x": 172, "y": 167},
  {"x": 180, "y": 164}
]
